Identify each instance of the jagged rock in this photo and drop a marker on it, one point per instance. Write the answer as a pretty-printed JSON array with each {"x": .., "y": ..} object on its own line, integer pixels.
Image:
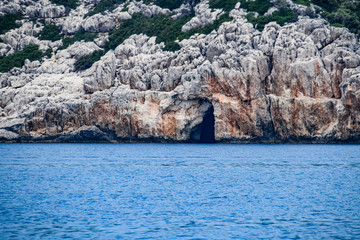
[
  {"x": 101, "y": 40},
  {"x": 140, "y": 58},
  {"x": 63, "y": 61},
  {"x": 237, "y": 12},
  {"x": 147, "y": 10},
  {"x": 45, "y": 9},
  {"x": 271, "y": 11},
  {"x": 121, "y": 16},
  {"x": 203, "y": 16},
  {"x": 72, "y": 24},
  {"x": 302, "y": 10},
  {"x": 8, "y": 135},
  {"x": 18, "y": 38},
  {"x": 11, "y": 7},
  {"x": 77, "y": 50},
  {"x": 296, "y": 83},
  {"x": 5, "y": 49},
  {"x": 99, "y": 23},
  {"x": 184, "y": 9},
  {"x": 52, "y": 11},
  {"x": 101, "y": 75}
]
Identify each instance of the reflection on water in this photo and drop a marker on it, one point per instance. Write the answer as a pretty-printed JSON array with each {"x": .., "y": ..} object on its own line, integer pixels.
[{"x": 200, "y": 191}]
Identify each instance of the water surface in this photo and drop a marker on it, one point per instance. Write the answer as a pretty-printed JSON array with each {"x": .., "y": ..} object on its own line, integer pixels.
[{"x": 188, "y": 191}]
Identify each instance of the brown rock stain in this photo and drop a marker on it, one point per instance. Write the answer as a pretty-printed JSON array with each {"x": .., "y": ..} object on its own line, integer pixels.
[
  {"x": 220, "y": 86},
  {"x": 169, "y": 124},
  {"x": 317, "y": 69},
  {"x": 153, "y": 106}
]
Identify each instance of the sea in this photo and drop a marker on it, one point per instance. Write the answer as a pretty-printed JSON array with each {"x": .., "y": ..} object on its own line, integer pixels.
[{"x": 179, "y": 191}]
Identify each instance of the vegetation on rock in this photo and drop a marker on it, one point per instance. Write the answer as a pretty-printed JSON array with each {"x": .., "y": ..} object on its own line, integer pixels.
[
  {"x": 104, "y": 5},
  {"x": 342, "y": 13},
  {"x": 303, "y": 2},
  {"x": 87, "y": 61},
  {"x": 48, "y": 52},
  {"x": 8, "y": 22},
  {"x": 227, "y": 6},
  {"x": 50, "y": 32},
  {"x": 281, "y": 16},
  {"x": 81, "y": 35},
  {"x": 165, "y": 28},
  {"x": 170, "y": 4},
  {"x": 206, "y": 29},
  {"x": 168, "y": 30},
  {"x": 259, "y": 6},
  {"x": 17, "y": 59},
  {"x": 67, "y": 3}
]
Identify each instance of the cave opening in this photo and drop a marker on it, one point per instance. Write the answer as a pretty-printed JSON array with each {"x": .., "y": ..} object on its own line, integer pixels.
[{"x": 207, "y": 130}]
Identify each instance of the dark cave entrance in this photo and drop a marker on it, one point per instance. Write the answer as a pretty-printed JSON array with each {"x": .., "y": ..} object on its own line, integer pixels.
[
  {"x": 207, "y": 134},
  {"x": 205, "y": 131}
]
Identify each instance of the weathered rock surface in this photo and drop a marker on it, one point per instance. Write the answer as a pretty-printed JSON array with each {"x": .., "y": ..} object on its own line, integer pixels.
[
  {"x": 17, "y": 39},
  {"x": 147, "y": 10},
  {"x": 203, "y": 16},
  {"x": 99, "y": 23},
  {"x": 45, "y": 9},
  {"x": 296, "y": 83}
]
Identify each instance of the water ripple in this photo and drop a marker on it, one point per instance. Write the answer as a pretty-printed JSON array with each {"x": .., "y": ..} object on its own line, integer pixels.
[{"x": 106, "y": 191}]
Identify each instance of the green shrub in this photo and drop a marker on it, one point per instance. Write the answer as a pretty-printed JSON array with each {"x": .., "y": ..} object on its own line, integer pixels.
[
  {"x": 328, "y": 5},
  {"x": 17, "y": 59},
  {"x": 167, "y": 31},
  {"x": 303, "y": 2},
  {"x": 48, "y": 52},
  {"x": 281, "y": 17},
  {"x": 347, "y": 14},
  {"x": 338, "y": 25},
  {"x": 104, "y": 5},
  {"x": 67, "y": 3},
  {"x": 339, "y": 13},
  {"x": 80, "y": 35},
  {"x": 259, "y": 6},
  {"x": 226, "y": 5},
  {"x": 164, "y": 27},
  {"x": 170, "y": 4},
  {"x": 125, "y": 7},
  {"x": 87, "y": 61},
  {"x": 7, "y": 22},
  {"x": 206, "y": 29},
  {"x": 50, "y": 32}
]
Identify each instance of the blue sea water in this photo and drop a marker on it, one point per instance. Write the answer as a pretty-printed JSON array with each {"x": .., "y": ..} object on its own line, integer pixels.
[{"x": 179, "y": 191}]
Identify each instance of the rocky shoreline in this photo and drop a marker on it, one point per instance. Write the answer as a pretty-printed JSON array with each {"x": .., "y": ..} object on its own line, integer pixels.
[{"x": 297, "y": 83}]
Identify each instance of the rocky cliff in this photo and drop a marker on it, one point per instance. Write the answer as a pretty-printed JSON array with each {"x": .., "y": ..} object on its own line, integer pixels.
[{"x": 299, "y": 82}]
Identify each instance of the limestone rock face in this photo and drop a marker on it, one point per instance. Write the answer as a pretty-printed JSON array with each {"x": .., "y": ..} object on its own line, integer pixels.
[
  {"x": 147, "y": 10},
  {"x": 203, "y": 16},
  {"x": 18, "y": 38},
  {"x": 45, "y": 9},
  {"x": 72, "y": 25},
  {"x": 99, "y": 23},
  {"x": 101, "y": 75},
  {"x": 296, "y": 83}
]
